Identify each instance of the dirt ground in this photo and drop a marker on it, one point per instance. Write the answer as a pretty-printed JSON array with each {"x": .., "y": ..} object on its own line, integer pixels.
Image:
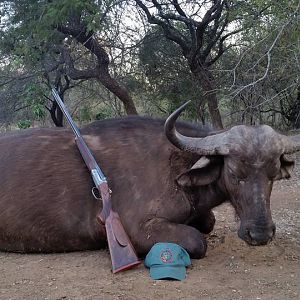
[{"x": 230, "y": 270}]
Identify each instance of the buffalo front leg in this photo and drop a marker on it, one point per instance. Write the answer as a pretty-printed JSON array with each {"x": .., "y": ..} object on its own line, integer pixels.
[
  {"x": 204, "y": 222},
  {"x": 160, "y": 230}
]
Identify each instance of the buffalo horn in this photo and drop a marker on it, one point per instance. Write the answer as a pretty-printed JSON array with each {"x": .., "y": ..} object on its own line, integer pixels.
[{"x": 210, "y": 145}]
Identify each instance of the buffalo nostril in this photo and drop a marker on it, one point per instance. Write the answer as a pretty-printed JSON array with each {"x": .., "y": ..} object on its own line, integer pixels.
[
  {"x": 250, "y": 236},
  {"x": 260, "y": 237},
  {"x": 247, "y": 231}
]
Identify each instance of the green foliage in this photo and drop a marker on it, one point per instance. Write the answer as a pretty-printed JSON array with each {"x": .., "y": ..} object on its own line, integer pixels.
[
  {"x": 169, "y": 80},
  {"x": 59, "y": 11},
  {"x": 34, "y": 98},
  {"x": 104, "y": 113},
  {"x": 24, "y": 124},
  {"x": 30, "y": 38},
  {"x": 30, "y": 25},
  {"x": 159, "y": 78},
  {"x": 85, "y": 114}
]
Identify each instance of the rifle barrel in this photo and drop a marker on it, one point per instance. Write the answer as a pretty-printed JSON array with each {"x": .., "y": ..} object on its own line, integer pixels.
[
  {"x": 86, "y": 152},
  {"x": 65, "y": 112}
]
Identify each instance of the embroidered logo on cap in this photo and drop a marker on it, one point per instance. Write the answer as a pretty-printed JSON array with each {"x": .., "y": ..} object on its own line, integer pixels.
[{"x": 166, "y": 256}]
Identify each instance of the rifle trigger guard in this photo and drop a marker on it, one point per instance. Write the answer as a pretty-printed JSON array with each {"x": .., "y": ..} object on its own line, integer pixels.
[{"x": 95, "y": 193}]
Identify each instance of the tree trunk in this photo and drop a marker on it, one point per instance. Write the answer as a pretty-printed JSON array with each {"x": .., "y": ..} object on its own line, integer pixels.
[
  {"x": 208, "y": 85},
  {"x": 113, "y": 86},
  {"x": 214, "y": 112},
  {"x": 297, "y": 121},
  {"x": 80, "y": 32},
  {"x": 56, "y": 115}
]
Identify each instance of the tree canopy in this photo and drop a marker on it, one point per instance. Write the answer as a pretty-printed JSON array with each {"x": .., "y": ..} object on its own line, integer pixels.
[{"x": 238, "y": 61}]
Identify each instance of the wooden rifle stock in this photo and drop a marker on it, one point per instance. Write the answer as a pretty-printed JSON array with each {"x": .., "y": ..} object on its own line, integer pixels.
[{"x": 123, "y": 255}]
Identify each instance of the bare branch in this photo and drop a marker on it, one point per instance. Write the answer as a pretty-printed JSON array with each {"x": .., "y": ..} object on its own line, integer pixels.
[
  {"x": 170, "y": 32},
  {"x": 221, "y": 49},
  {"x": 74, "y": 73},
  {"x": 267, "y": 55}
]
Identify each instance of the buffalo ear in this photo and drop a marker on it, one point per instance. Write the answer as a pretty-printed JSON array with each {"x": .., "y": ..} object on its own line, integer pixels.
[
  {"x": 205, "y": 171},
  {"x": 287, "y": 165}
]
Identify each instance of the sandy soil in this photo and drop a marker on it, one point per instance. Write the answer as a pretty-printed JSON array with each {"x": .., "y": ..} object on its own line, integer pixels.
[{"x": 230, "y": 270}]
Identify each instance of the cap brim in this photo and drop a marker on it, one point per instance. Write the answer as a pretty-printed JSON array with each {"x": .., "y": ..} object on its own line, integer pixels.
[{"x": 162, "y": 272}]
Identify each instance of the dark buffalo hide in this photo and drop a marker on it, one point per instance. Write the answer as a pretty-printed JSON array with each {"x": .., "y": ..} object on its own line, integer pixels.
[{"x": 162, "y": 192}]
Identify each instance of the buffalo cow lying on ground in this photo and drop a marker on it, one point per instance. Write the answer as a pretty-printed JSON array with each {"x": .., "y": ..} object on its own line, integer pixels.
[{"x": 162, "y": 192}]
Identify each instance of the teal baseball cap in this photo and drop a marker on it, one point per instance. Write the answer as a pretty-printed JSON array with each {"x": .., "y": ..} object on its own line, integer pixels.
[{"x": 167, "y": 260}]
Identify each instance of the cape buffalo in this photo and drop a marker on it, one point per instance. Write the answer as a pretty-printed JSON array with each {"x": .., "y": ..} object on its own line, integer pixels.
[{"x": 162, "y": 191}]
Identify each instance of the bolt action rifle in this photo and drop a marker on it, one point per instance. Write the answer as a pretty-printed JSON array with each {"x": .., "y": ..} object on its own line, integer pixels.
[{"x": 123, "y": 255}]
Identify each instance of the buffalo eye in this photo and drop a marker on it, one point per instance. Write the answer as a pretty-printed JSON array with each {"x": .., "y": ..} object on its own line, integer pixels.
[{"x": 235, "y": 179}]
